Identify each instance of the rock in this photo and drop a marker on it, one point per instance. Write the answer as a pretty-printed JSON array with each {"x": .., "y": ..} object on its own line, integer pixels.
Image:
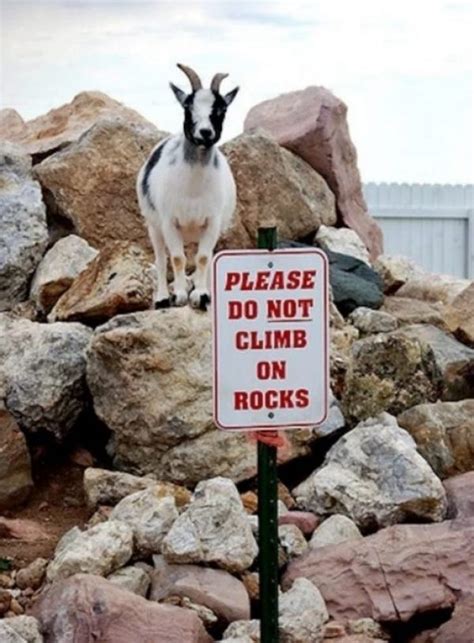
[
  {"x": 459, "y": 627},
  {"x": 459, "y": 316},
  {"x": 133, "y": 579},
  {"x": 207, "y": 616},
  {"x": 375, "y": 476},
  {"x": 250, "y": 501},
  {"x": 334, "y": 530},
  {"x": 334, "y": 422},
  {"x": 304, "y": 520},
  {"x": 23, "y": 229},
  {"x": 342, "y": 240},
  {"x": 106, "y": 159},
  {"x": 8, "y": 635},
  {"x": 430, "y": 287},
  {"x": 119, "y": 280},
  {"x": 454, "y": 361},
  {"x": 23, "y": 529},
  {"x": 392, "y": 575},
  {"x": 273, "y": 184},
  {"x": 369, "y": 628},
  {"x": 51, "y": 132},
  {"x": 16, "y": 482},
  {"x": 100, "y": 550},
  {"x": 93, "y": 607},
  {"x": 32, "y": 575},
  {"x": 25, "y": 627},
  {"x": 292, "y": 540},
  {"x": 313, "y": 124},
  {"x": 444, "y": 434},
  {"x": 150, "y": 515},
  {"x": 43, "y": 367},
  {"x": 389, "y": 372},
  {"x": 5, "y": 601},
  {"x": 302, "y": 613},
  {"x": 251, "y": 580},
  {"x": 369, "y": 321},
  {"x": 11, "y": 124},
  {"x": 215, "y": 589},
  {"x": 58, "y": 269},
  {"x": 213, "y": 529},
  {"x": 460, "y": 494},
  {"x": 243, "y": 630},
  {"x": 414, "y": 311},
  {"x": 395, "y": 271}
]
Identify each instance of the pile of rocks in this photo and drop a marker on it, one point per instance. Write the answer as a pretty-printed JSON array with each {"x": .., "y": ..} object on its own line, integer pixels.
[{"x": 170, "y": 551}]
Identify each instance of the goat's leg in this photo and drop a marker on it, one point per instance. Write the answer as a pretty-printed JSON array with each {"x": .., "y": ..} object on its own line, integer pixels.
[
  {"x": 200, "y": 296},
  {"x": 174, "y": 242},
  {"x": 162, "y": 295}
]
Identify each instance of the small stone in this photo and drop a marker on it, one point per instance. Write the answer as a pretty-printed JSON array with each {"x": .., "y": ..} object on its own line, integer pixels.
[
  {"x": 32, "y": 576},
  {"x": 250, "y": 501},
  {"x": 334, "y": 630},
  {"x": 292, "y": 540},
  {"x": 285, "y": 496},
  {"x": 251, "y": 581},
  {"x": 206, "y": 615},
  {"x": 6, "y": 582},
  {"x": 369, "y": 321},
  {"x": 369, "y": 628},
  {"x": 133, "y": 579},
  {"x": 5, "y": 601},
  {"x": 243, "y": 630},
  {"x": 16, "y": 608},
  {"x": 334, "y": 530},
  {"x": 304, "y": 520}
]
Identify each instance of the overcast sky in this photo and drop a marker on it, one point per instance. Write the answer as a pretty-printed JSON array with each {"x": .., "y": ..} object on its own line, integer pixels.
[{"x": 403, "y": 67}]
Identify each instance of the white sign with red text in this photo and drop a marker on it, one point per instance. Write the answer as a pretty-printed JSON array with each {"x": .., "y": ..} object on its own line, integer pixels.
[{"x": 270, "y": 335}]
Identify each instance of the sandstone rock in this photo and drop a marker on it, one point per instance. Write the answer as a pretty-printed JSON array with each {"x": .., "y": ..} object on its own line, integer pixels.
[
  {"x": 43, "y": 367},
  {"x": 23, "y": 229},
  {"x": 11, "y": 124},
  {"x": 23, "y": 529},
  {"x": 459, "y": 316},
  {"x": 32, "y": 575},
  {"x": 313, "y": 124},
  {"x": 393, "y": 575},
  {"x": 369, "y": 321},
  {"x": 133, "y": 579},
  {"x": 395, "y": 271},
  {"x": 15, "y": 466},
  {"x": 334, "y": 421},
  {"x": 444, "y": 434},
  {"x": 58, "y": 269},
  {"x": 414, "y": 311},
  {"x": 250, "y": 501},
  {"x": 213, "y": 529},
  {"x": 274, "y": 184},
  {"x": 460, "y": 626},
  {"x": 431, "y": 287},
  {"x": 304, "y": 520},
  {"x": 334, "y": 530},
  {"x": 25, "y": 627},
  {"x": 100, "y": 550},
  {"x": 292, "y": 540},
  {"x": 375, "y": 476},
  {"x": 389, "y": 372},
  {"x": 150, "y": 515},
  {"x": 302, "y": 613},
  {"x": 50, "y": 132},
  {"x": 92, "y": 607},
  {"x": 344, "y": 241},
  {"x": 243, "y": 631},
  {"x": 216, "y": 589},
  {"x": 460, "y": 493},
  {"x": 106, "y": 159},
  {"x": 119, "y": 280}
]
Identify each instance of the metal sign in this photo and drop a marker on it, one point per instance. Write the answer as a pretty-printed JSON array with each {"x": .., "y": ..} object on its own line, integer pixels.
[{"x": 270, "y": 316}]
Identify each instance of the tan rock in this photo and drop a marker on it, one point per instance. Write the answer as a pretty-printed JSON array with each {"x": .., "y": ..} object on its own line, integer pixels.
[
  {"x": 459, "y": 316},
  {"x": 91, "y": 183},
  {"x": 343, "y": 240},
  {"x": 430, "y": 287},
  {"x": 12, "y": 126},
  {"x": 32, "y": 575},
  {"x": 334, "y": 530},
  {"x": 274, "y": 184},
  {"x": 119, "y": 280},
  {"x": 16, "y": 482},
  {"x": 250, "y": 501},
  {"x": 313, "y": 124},
  {"x": 414, "y": 311},
  {"x": 395, "y": 271}
]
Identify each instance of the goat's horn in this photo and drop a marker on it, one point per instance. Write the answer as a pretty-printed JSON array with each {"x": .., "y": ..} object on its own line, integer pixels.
[
  {"x": 216, "y": 81},
  {"x": 193, "y": 77}
]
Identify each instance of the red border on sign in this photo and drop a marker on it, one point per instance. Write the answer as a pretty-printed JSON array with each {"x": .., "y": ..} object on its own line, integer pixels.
[{"x": 268, "y": 427}]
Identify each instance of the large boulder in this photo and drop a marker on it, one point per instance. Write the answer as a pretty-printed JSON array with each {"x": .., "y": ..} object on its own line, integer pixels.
[
  {"x": 375, "y": 476},
  {"x": 432, "y": 287},
  {"x": 88, "y": 607},
  {"x": 444, "y": 434},
  {"x": 43, "y": 367},
  {"x": 23, "y": 229},
  {"x": 274, "y": 185},
  {"x": 459, "y": 316},
  {"x": 92, "y": 182},
  {"x": 15, "y": 465},
  {"x": 312, "y": 123},
  {"x": 119, "y": 280},
  {"x": 393, "y": 575}
]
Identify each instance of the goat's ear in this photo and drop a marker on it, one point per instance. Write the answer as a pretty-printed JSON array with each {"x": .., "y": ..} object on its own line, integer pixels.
[
  {"x": 180, "y": 95},
  {"x": 230, "y": 96}
]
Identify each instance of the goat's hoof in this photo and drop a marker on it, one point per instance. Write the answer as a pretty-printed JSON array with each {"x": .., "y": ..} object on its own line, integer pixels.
[
  {"x": 180, "y": 298},
  {"x": 163, "y": 303},
  {"x": 199, "y": 299}
]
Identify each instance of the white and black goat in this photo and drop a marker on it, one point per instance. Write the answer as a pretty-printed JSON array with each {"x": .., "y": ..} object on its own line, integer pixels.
[{"x": 187, "y": 193}]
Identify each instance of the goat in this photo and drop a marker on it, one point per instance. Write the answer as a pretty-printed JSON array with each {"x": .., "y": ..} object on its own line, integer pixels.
[{"x": 187, "y": 193}]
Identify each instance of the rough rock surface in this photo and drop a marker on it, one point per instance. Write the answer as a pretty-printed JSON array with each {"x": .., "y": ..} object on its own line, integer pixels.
[
  {"x": 105, "y": 161},
  {"x": 100, "y": 550},
  {"x": 273, "y": 184},
  {"x": 93, "y": 608},
  {"x": 43, "y": 366},
  {"x": 119, "y": 280},
  {"x": 302, "y": 613},
  {"x": 216, "y": 589},
  {"x": 292, "y": 540},
  {"x": 20, "y": 629},
  {"x": 342, "y": 240},
  {"x": 304, "y": 520},
  {"x": 11, "y": 124},
  {"x": 334, "y": 530},
  {"x": 444, "y": 434},
  {"x": 58, "y": 269},
  {"x": 395, "y": 271},
  {"x": 460, "y": 494},
  {"x": 213, "y": 529},
  {"x": 394, "y": 574},
  {"x": 32, "y": 575},
  {"x": 150, "y": 515},
  {"x": 432, "y": 287},
  {"x": 369, "y": 321},
  {"x": 460, "y": 317},
  {"x": 312, "y": 123},
  {"x": 16, "y": 482},
  {"x": 375, "y": 476},
  {"x": 133, "y": 579},
  {"x": 23, "y": 229},
  {"x": 414, "y": 311},
  {"x": 460, "y": 626}
]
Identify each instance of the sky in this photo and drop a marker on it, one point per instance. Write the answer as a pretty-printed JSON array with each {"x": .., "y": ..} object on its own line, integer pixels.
[{"x": 404, "y": 68}]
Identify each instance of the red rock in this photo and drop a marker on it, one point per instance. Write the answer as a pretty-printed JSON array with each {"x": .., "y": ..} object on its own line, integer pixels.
[
  {"x": 94, "y": 609},
  {"x": 312, "y": 123},
  {"x": 394, "y": 574},
  {"x": 304, "y": 520},
  {"x": 460, "y": 493},
  {"x": 15, "y": 465},
  {"x": 460, "y": 627},
  {"x": 22, "y": 529}
]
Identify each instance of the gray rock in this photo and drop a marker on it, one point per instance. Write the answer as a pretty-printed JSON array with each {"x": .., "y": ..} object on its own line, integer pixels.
[
  {"x": 43, "y": 367},
  {"x": 292, "y": 540},
  {"x": 8, "y": 634},
  {"x": 25, "y": 627},
  {"x": 23, "y": 229},
  {"x": 243, "y": 631},
  {"x": 334, "y": 421},
  {"x": 133, "y": 579},
  {"x": 344, "y": 241},
  {"x": 334, "y": 530},
  {"x": 103, "y": 487},
  {"x": 372, "y": 321},
  {"x": 213, "y": 529},
  {"x": 375, "y": 476},
  {"x": 302, "y": 613}
]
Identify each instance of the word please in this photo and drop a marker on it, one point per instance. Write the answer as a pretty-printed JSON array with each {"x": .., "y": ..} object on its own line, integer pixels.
[{"x": 268, "y": 280}]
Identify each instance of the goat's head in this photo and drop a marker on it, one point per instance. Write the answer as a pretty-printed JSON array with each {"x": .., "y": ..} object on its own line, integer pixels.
[{"x": 204, "y": 109}]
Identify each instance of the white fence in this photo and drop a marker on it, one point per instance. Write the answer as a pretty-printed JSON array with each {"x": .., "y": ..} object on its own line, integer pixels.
[{"x": 432, "y": 224}]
